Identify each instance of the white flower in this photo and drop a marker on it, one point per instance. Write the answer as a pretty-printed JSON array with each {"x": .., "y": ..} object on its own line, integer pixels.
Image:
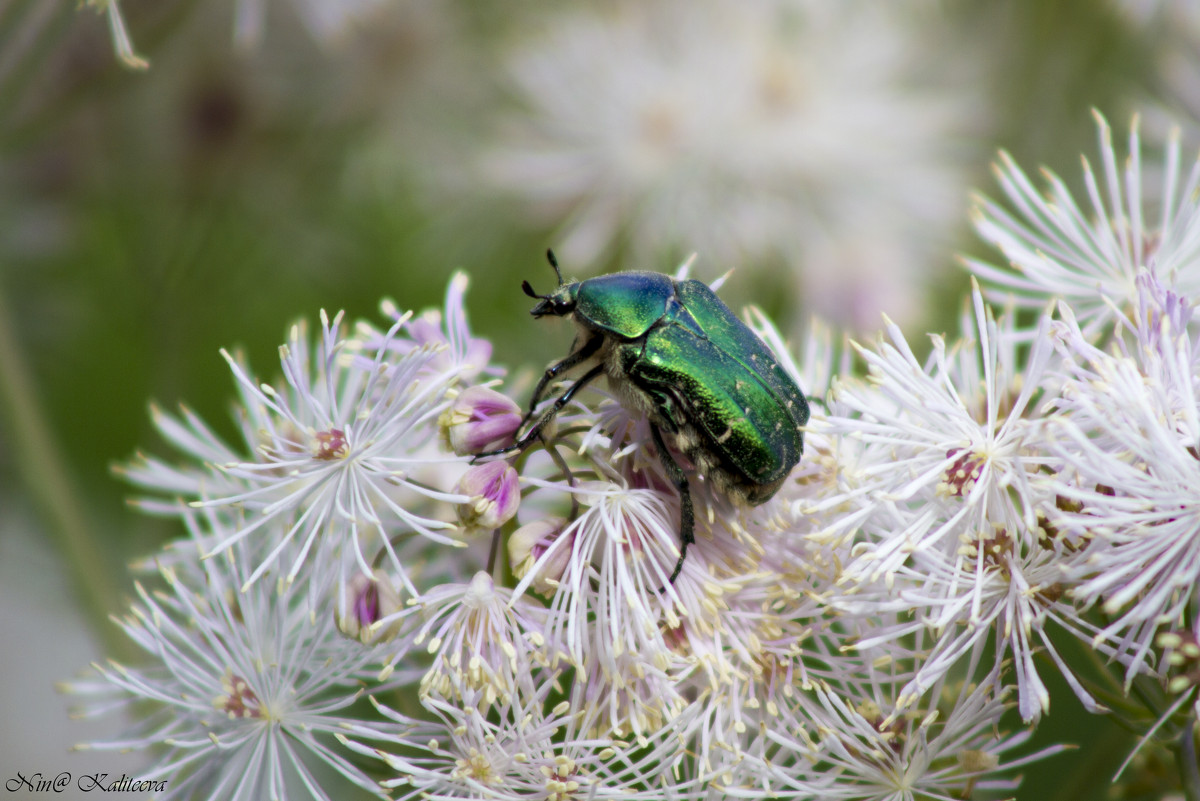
[
  {"x": 745, "y": 660},
  {"x": 960, "y": 452},
  {"x": 1091, "y": 256},
  {"x": 852, "y": 741},
  {"x": 335, "y": 449},
  {"x": 1132, "y": 478},
  {"x": 444, "y": 331},
  {"x": 329, "y": 21},
  {"x": 1001, "y": 591},
  {"x": 607, "y": 608},
  {"x": 750, "y": 133},
  {"x": 785, "y": 659},
  {"x": 523, "y": 749},
  {"x": 242, "y": 692},
  {"x": 949, "y": 510},
  {"x": 485, "y": 642}
]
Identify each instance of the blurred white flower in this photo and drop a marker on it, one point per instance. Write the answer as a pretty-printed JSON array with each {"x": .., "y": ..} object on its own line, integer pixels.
[
  {"x": 752, "y": 133},
  {"x": 329, "y": 21}
]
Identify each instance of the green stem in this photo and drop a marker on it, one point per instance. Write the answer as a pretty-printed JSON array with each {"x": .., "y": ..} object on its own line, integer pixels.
[{"x": 56, "y": 500}]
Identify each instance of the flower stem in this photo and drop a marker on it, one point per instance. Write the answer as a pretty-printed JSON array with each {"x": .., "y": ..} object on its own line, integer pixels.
[{"x": 49, "y": 486}]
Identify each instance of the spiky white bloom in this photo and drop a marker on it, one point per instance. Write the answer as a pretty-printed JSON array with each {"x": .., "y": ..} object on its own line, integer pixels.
[
  {"x": 611, "y": 607},
  {"x": 607, "y": 612},
  {"x": 444, "y": 330},
  {"x": 853, "y": 741},
  {"x": 1128, "y": 439},
  {"x": 526, "y": 749},
  {"x": 758, "y": 648},
  {"x": 959, "y": 447},
  {"x": 243, "y": 691},
  {"x": 750, "y": 133},
  {"x": 1091, "y": 256},
  {"x": 950, "y": 511},
  {"x": 335, "y": 449},
  {"x": 485, "y": 642}
]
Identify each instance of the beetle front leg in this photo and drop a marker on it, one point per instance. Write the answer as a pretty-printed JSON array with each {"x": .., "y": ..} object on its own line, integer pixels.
[
  {"x": 562, "y": 400},
  {"x": 555, "y": 370},
  {"x": 687, "y": 517}
]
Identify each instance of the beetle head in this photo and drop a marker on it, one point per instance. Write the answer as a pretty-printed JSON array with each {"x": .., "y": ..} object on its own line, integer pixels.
[{"x": 560, "y": 302}]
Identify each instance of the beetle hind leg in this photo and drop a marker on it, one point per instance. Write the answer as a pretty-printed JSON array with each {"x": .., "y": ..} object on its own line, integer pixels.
[{"x": 687, "y": 516}]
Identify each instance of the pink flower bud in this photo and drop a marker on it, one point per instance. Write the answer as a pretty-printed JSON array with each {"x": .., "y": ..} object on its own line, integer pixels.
[
  {"x": 367, "y": 602},
  {"x": 495, "y": 494},
  {"x": 478, "y": 418},
  {"x": 525, "y": 549}
]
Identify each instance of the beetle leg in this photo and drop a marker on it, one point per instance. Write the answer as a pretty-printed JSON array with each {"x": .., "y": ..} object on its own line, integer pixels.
[
  {"x": 553, "y": 371},
  {"x": 535, "y": 432},
  {"x": 589, "y": 349},
  {"x": 687, "y": 517},
  {"x": 552, "y": 449},
  {"x": 561, "y": 401}
]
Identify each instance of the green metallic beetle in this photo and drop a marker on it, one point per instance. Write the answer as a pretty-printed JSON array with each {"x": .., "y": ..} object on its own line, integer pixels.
[{"x": 672, "y": 350}]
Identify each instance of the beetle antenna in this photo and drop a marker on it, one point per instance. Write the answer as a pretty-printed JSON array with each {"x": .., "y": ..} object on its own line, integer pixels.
[
  {"x": 554, "y": 263},
  {"x": 528, "y": 290}
]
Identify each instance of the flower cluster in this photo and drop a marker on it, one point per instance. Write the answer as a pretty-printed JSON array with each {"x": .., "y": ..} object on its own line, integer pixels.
[{"x": 509, "y": 608}]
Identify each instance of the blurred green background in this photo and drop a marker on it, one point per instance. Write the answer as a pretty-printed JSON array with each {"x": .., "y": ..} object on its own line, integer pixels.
[{"x": 149, "y": 218}]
